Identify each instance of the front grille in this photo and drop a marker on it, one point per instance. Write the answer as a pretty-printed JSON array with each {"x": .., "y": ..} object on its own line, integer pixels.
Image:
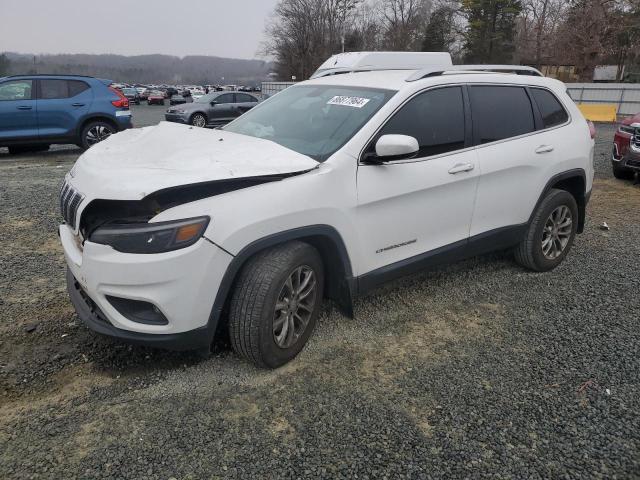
[
  {"x": 70, "y": 200},
  {"x": 635, "y": 140}
]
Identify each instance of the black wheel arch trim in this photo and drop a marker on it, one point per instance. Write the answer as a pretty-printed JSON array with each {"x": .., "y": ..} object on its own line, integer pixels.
[
  {"x": 337, "y": 268},
  {"x": 582, "y": 198}
]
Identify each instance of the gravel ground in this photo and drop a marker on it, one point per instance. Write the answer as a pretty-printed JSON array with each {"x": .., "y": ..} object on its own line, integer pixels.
[{"x": 476, "y": 370}]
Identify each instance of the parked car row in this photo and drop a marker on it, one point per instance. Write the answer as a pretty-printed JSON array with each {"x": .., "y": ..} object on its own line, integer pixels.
[{"x": 211, "y": 110}]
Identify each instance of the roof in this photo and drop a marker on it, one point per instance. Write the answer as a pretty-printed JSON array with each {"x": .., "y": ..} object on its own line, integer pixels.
[{"x": 403, "y": 79}]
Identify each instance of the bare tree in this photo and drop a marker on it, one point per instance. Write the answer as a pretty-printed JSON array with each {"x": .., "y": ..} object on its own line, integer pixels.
[
  {"x": 585, "y": 35},
  {"x": 403, "y": 22},
  {"x": 537, "y": 29}
]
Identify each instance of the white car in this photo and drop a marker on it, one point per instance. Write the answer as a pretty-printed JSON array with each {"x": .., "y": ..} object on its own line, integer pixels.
[
  {"x": 196, "y": 93},
  {"x": 328, "y": 189}
]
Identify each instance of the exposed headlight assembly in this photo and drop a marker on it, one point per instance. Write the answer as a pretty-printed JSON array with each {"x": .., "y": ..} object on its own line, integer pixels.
[{"x": 151, "y": 237}]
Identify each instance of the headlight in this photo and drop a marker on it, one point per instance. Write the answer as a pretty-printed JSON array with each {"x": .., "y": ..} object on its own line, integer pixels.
[{"x": 151, "y": 237}]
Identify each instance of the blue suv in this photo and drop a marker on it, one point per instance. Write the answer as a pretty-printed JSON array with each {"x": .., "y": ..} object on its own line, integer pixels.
[{"x": 39, "y": 110}]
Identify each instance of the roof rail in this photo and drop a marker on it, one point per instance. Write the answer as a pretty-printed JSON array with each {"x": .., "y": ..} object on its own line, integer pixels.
[
  {"x": 48, "y": 75},
  {"x": 437, "y": 71}
]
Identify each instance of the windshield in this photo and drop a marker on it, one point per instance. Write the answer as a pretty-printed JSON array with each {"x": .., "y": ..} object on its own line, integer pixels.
[
  {"x": 130, "y": 91},
  {"x": 315, "y": 120}
]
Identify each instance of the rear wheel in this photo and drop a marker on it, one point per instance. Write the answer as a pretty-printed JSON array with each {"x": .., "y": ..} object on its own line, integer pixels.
[
  {"x": 95, "y": 132},
  {"x": 275, "y": 304},
  {"x": 198, "y": 120},
  {"x": 622, "y": 173},
  {"x": 550, "y": 234}
]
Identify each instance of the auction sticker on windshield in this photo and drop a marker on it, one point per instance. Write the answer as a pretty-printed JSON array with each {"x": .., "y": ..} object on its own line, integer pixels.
[{"x": 357, "y": 102}]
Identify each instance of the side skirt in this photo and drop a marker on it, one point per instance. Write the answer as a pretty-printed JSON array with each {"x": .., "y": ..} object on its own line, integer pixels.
[{"x": 486, "y": 242}]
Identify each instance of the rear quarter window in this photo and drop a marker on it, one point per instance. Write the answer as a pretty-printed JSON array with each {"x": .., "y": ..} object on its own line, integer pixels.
[
  {"x": 551, "y": 110},
  {"x": 500, "y": 112}
]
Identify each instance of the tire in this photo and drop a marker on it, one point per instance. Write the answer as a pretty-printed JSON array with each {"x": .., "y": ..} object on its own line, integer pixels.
[
  {"x": 262, "y": 285},
  {"x": 18, "y": 149},
  {"x": 531, "y": 252},
  {"x": 198, "y": 120},
  {"x": 95, "y": 132},
  {"x": 622, "y": 173}
]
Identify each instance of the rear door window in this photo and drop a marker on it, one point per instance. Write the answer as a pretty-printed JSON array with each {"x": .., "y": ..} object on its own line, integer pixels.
[
  {"x": 53, "y": 89},
  {"x": 435, "y": 118},
  {"x": 244, "y": 98},
  {"x": 552, "y": 111},
  {"x": 500, "y": 112},
  {"x": 225, "y": 98}
]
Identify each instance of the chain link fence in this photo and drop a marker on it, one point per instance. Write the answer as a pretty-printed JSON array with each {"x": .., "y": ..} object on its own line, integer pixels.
[{"x": 271, "y": 88}]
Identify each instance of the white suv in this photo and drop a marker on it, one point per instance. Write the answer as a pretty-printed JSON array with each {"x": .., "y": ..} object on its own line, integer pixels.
[{"x": 328, "y": 189}]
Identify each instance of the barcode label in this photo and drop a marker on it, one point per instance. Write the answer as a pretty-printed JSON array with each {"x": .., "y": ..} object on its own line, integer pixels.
[{"x": 356, "y": 102}]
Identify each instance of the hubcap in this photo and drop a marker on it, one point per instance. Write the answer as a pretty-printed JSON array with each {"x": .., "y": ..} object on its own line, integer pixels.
[
  {"x": 198, "y": 121},
  {"x": 294, "y": 306},
  {"x": 97, "y": 134},
  {"x": 557, "y": 232}
]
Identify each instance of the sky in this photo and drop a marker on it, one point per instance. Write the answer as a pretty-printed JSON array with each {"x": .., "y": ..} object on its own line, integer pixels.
[{"x": 224, "y": 28}]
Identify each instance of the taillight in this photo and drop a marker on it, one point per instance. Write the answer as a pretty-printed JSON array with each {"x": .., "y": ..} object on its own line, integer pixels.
[
  {"x": 122, "y": 101},
  {"x": 592, "y": 129}
]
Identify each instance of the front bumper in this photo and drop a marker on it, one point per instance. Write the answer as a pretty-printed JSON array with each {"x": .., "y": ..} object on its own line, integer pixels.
[
  {"x": 175, "y": 117},
  {"x": 630, "y": 160},
  {"x": 181, "y": 284},
  {"x": 626, "y": 154}
]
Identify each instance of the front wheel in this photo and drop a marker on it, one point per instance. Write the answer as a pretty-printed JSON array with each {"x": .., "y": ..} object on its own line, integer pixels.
[
  {"x": 198, "y": 120},
  {"x": 275, "y": 304},
  {"x": 550, "y": 234},
  {"x": 95, "y": 132}
]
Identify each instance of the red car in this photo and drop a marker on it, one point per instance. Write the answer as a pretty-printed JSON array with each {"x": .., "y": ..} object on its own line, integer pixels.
[
  {"x": 155, "y": 98},
  {"x": 626, "y": 148}
]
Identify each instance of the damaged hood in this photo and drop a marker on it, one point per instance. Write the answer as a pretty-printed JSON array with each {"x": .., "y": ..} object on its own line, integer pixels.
[{"x": 134, "y": 163}]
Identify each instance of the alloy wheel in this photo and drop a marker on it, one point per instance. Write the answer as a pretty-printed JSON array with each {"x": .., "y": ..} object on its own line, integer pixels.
[
  {"x": 295, "y": 304},
  {"x": 97, "y": 134},
  {"x": 198, "y": 121},
  {"x": 557, "y": 232}
]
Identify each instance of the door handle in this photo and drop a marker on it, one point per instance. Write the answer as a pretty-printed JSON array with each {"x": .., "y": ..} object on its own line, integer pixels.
[
  {"x": 461, "y": 167},
  {"x": 25, "y": 107},
  {"x": 77, "y": 104},
  {"x": 544, "y": 149}
]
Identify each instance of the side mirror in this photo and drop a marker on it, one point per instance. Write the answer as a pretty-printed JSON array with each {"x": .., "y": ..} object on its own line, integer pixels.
[
  {"x": 213, "y": 103},
  {"x": 398, "y": 146}
]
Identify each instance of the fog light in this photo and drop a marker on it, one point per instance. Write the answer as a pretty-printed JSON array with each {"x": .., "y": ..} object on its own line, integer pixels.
[{"x": 138, "y": 311}]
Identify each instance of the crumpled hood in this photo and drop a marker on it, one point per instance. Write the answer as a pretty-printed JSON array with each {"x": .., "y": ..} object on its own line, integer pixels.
[{"x": 136, "y": 162}]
